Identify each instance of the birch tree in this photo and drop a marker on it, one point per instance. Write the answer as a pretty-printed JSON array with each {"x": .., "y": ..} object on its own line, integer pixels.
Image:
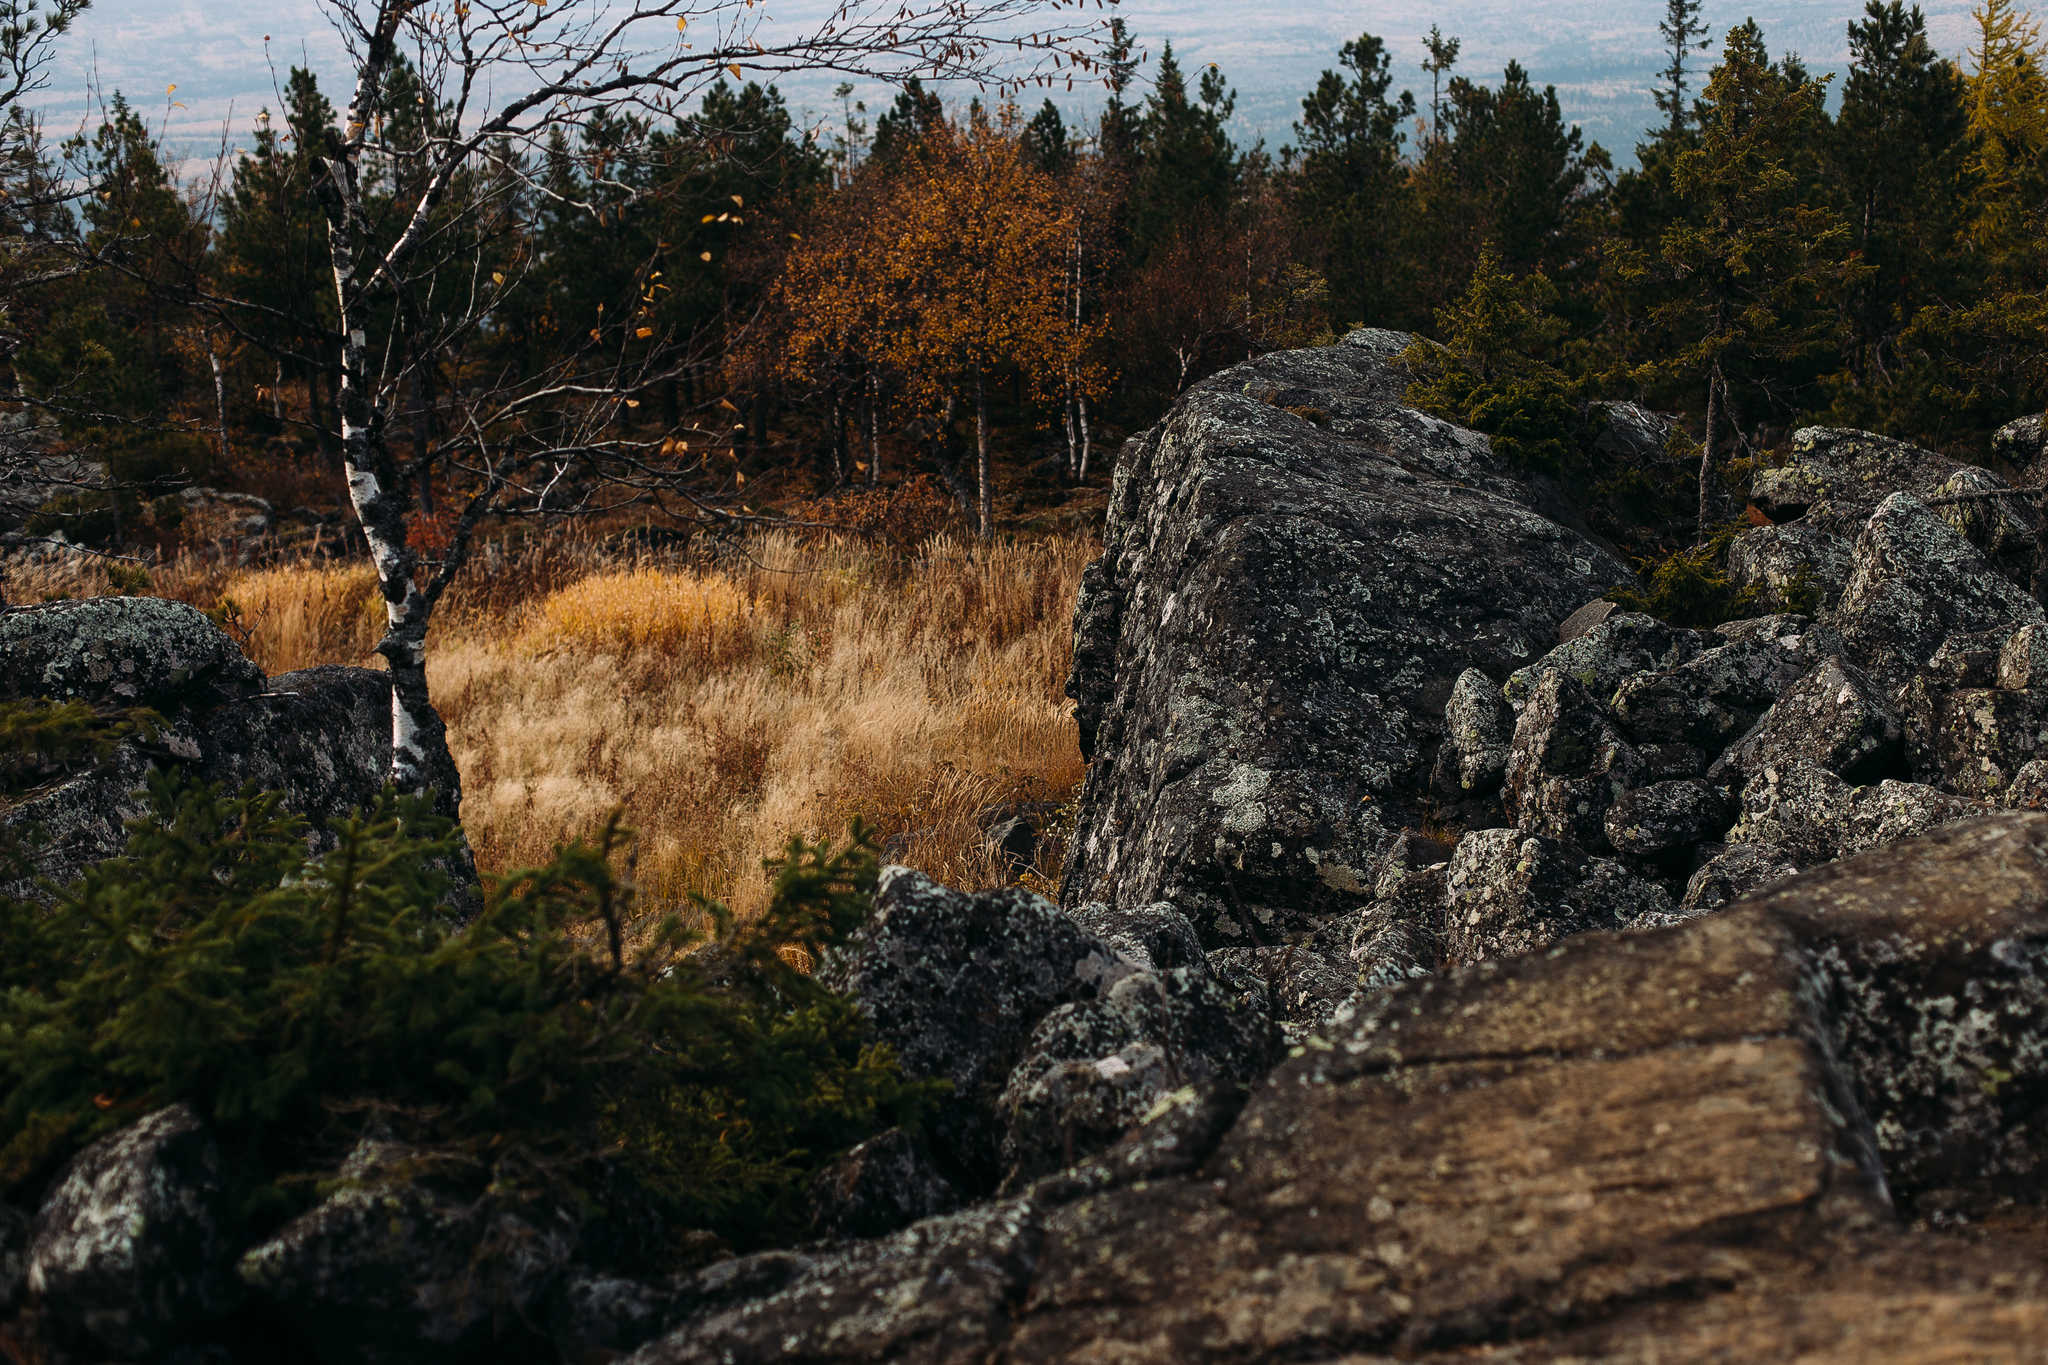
[{"x": 439, "y": 158}]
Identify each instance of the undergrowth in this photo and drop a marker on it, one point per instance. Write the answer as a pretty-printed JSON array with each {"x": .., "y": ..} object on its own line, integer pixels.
[{"x": 561, "y": 1032}]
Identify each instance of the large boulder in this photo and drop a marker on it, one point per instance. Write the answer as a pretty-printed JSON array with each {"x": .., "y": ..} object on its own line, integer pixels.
[
  {"x": 1835, "y": 718},
  {"x": 135, "y": 1245},
  {"x": 1479, "y": 728},
  {"x": 1793, "y": 568},
  {"x": 1668, "y": 816},
  {"x": 321, "y": 736},
  {"x": 1801, "y": 808},
  {"x": 1914, "y": 582},
  {"x": 1607, "y": 655},
  {"x": 1707, "y": 1142},
  {"x": 1264, "y": 652},
  {"x": 122, "y": 651},
  {"x": 403, "y": 1265},
  {"x": 956, "y": 984}
]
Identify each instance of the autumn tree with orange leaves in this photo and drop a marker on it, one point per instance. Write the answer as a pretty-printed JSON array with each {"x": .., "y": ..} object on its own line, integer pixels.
[{"x": 953, "y": 262}]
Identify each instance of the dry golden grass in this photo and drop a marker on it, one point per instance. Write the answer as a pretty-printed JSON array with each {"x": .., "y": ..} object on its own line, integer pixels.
[
  {"x": 783, "y": 692},
  {"x": 727, "y": 703}
]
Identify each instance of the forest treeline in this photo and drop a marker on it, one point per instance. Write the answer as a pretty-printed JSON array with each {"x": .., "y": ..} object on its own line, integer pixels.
[{"x": 947, "y": 290}]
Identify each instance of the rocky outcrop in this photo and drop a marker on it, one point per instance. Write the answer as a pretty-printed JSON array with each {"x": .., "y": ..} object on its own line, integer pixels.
[
  {"x": 401, "y": 1265},
  {"x": 135, "y": 1244},
  {"x": 956, "y": 984},
  {"x": 1264, "y": 651},
  {"x": 1682, "y": 1142},
  {"x": 1092, "y": 1070},
  {"x": 321, "y": 736}
]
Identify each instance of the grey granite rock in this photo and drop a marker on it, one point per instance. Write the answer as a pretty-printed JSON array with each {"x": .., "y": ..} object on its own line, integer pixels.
[
  {"x": 1668, "y": 816},
  {"x": 1264, "y": 653},
  {"x": 1834, "y": 717},
  {"x": 1568, "y": 764},
  {"x": 888, "y": 1182},
  {"x": 135, "y": 1244},
  {"x": 1510, "y": 893},
  {"x": 956, "y": 984}
]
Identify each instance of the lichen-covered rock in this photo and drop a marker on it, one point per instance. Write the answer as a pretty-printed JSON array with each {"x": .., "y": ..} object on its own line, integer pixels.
[
  {"x": 1281, "y": 611},
  {"x": 1795, "y": 568},
  {"x": 2023, "y": 659},
  {"x": 1156, "y": 937},
  {"x": 1092, "y": 1070},
  {"x": 888, "y": 1182},
  {"x": 135, "y": 1244},
  {"x": 1552, "y": 1155},
  {"x": 1302, "y": 981},
  {"x": 1568, "y": 763},
  {"x": 122, "y": 651},
  {"x": 1713, "y": 698},
  {"x": 1834, "y": 478},
  {"x": 1974, "y": 741},
  {"x": 1668, "y": 815},
  {"x": 1608, "y": 655},
  {"x": 1915, "y": 582},
  {"x": 597, "y": 1316},
  {"x": 1733, "y": 873},
  {"x": 955, "y": 984},
  {"x": 2002, "y": 529},
  {"x": 399, "y": 1266},
  {"x": 2029, "y": 789},
  {"x": 1510, "y": 893},
  {"x": 1833, "y": 717},
  {"x": 1816, "y": 817},
  {"x": 1891, "y": 811},
  {"x": 1479, "y": 726},
  {"x": 1400, "y": 936}
]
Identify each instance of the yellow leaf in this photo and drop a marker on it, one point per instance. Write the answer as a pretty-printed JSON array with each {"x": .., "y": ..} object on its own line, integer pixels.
[
  {"x": 739, "y": 478},
  {"x": 710, "y": 217},
  {"x": 703, "y": 255},
  {"x": 682, "y": 24},
  {"x": 738, "y": 202},
  {"x": 734, "y": 67},
  {"x": 726, "y": 403},
  {"x": 798, "y": 237},
  {"x": 170, "y": 90},
  {"x": 593, "y": 334},
  {"x": 632, "y": 402},
  {"x": 643, "y": 334},
  {"x": 497, "y": 277}
]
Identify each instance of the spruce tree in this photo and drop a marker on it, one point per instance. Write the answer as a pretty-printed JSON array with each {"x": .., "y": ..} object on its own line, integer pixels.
[
  {"x": 1349, "y": 188},
  {"x": 1188, "y": 166},
  {"x": 1684, "y": 29}
]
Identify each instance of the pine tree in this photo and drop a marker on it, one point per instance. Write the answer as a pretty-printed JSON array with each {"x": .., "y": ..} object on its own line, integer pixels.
[
  {"x": 1686, "y": 32},
  {"x": 1898, "y": 154},
  {"x": 1443, "y": 55},
  {"x": 1756, "y": 260},
  {"x": 1349, "y": 187},
  {"x": 1187, "y": 167}
]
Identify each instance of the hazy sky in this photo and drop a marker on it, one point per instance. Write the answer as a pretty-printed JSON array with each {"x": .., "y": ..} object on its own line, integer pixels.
[{"x": 1599, "y": 53}]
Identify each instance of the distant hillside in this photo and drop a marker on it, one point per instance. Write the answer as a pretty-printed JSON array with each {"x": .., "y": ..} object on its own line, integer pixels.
[{"x": 1600, "y": 54}]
